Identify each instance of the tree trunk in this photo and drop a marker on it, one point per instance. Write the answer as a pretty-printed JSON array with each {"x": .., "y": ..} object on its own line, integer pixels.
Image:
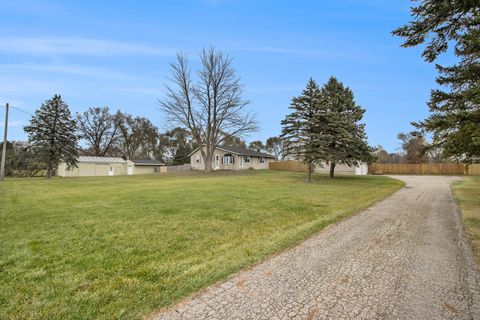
[
  {"x": 208, "y": 163},
  {"x": 49, "y": 170},
  {"x": 309, "y": 172},
  {"x": 332, "y": 169}
]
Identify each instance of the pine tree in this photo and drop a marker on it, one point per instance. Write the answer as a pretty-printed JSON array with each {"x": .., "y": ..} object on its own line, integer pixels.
[
  {"x": 455, "y": 114},
  {"x": 51, "y": 134},
  {"x": 181, "y": 154},
  {"x": 299, "y": 130},
  {"x": 342, "y": 139}
]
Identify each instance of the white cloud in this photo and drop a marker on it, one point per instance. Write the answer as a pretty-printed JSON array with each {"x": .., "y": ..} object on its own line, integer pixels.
[
  {"x": 78, "y": 46},
  {"x": 25, "y": 86},
  {"x": 69, "y": 69}
]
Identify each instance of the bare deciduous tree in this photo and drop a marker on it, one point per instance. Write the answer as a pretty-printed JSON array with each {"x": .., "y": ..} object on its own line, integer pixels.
[
  {"x": 138, "y": 137},
  {"x": 274, "y": 145},
  {"x": 413, "y": 146},
  {"x": 211, "y": 107},
  {"x": 99, "y": 128}
]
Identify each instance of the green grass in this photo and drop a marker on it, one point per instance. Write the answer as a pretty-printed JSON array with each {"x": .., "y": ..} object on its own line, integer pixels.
[
  {"x": 467, "y": 193},
  {"x": 122, "y": 247}
]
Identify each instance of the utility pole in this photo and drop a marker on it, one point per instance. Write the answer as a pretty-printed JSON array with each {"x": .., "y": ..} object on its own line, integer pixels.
[{"x": 4, "y": 150}]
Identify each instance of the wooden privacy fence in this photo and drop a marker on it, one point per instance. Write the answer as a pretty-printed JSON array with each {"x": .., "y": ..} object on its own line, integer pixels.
[
  {"x": 422, "y": 168},
  {"x": 474, "y": 169},
  {"x": 290, "y": 165},
  {"x": 182, "y": 167}
]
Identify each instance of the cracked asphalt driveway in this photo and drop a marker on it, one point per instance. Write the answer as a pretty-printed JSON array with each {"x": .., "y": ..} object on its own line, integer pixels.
[{"x": 404, "y": 258}]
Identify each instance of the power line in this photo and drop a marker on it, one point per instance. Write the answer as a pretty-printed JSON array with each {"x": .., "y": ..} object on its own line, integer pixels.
[{"x": 18, "y": 109}]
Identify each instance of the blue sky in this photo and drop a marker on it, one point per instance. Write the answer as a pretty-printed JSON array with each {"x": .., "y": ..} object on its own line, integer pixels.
[{"x": 117, "y": 54}]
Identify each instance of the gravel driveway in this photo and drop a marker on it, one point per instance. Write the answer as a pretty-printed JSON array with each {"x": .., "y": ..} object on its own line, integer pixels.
[{"x": 404, "y": 258}]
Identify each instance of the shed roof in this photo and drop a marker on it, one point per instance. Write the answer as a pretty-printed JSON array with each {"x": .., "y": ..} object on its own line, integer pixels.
[
  {"x": 101, "y": 159},
  {"x": 147, "y": 162}
]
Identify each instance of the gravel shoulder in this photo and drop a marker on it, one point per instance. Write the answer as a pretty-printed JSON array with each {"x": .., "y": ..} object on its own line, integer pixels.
[{"x": 404, "y": 258}]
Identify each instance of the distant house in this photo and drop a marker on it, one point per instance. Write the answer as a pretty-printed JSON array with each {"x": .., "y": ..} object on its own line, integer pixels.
[
  {"x": 108, "y": 166},
  {"x": 232, "y": 158}
]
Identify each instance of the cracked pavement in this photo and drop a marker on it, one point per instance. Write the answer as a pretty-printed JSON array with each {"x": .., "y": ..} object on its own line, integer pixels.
[{"x": 404, "y": 258}]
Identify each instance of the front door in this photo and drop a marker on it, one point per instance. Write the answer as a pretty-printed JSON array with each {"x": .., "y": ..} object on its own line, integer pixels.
[
  {"x": 217, "y": 162},
  {"x": 111, "y": 171}
]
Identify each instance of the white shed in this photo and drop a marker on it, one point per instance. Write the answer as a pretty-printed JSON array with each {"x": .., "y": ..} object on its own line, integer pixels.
[{"x": 88, "y": 166}]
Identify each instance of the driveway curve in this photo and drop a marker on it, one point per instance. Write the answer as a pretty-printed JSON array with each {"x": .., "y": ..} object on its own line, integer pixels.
[{"x": 404, "y": 258}]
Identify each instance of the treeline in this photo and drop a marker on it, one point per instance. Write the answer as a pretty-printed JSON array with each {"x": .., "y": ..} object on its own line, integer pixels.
[
  {"x": 414, "y": 149},
  {"x": 100, "y": 132},
  {"x": 95, "y": 132},
  {"x": 119, "y": 134},
  {"x": 21, "y": 161}
]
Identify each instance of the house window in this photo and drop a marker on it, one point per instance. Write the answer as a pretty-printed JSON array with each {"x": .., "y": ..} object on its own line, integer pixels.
[
  {"x": 197, "y": 159},
  {"x": 262, "y": 160},
  {"x": 228, "y": 159},
  {"x": 247, "y": 159}
]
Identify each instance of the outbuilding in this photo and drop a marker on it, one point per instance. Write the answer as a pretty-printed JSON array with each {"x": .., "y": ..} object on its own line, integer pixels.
[
  {"x": 143, "y": 166},
  {"x": 88, "y": 166}
]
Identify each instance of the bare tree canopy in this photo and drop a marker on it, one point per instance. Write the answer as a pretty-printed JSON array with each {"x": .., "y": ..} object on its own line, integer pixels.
[
  {"x": 99, "y": 128},
  {"x": 256, "y": 145},
  {"x": 274, "y": 145},
  {"x": 174, "y": 146},
  {"x": 211, "y": 107},
  {"x": 138, "y": 137},
  {"x": 413, "y": 147}
]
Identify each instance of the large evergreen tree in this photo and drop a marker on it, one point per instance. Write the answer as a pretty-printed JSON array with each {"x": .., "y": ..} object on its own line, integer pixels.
[
  {"x": 454, "y": 117},
  {"x": 325, "y": 127},
  {"x": 51, "y": 134},
  {"x": 342, "y": 138},
  {"x": 300, "y": 132},
  {"x": 182, "y": 154}
]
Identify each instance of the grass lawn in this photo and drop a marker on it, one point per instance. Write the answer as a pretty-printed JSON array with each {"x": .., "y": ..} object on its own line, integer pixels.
[
  {"x": 467, "y": 193},
  {"x": 122, "y": 247}
]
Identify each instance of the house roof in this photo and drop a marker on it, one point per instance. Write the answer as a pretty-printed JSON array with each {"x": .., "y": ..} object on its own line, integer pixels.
[
  {"x": 142, "y": 162},
  {"x": 245, "y": 152},
  {"x": 241, "y": 152},
  {"x": 101, "y": 159}
]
